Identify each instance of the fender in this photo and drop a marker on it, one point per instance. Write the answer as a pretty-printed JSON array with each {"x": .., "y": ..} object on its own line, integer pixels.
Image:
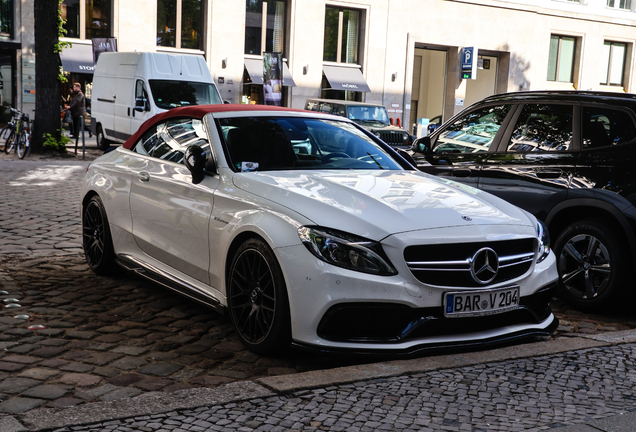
[{"x": 593, "y": 202}]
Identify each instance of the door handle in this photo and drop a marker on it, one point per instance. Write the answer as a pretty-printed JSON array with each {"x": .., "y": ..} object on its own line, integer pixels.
[
  {"x": 143, "y": 176},
  {"x": 549, "y": 174},
  {"x": 461, "y": 172}
]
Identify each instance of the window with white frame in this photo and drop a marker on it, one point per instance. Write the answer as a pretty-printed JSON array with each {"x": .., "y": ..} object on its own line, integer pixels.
[
  {"x": 264, "y": 26},
  {"x": 87, "y": 19},
  {"x": 614, "y": 55},
  {"x": 179, "y": 23},
  {"x": 342, "y": 35},
  {"x": 620, "y": 4},
  {"x": 561, "y": 58}
]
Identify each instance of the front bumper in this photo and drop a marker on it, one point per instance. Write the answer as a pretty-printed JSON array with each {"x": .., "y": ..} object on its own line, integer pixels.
[{"x": 334, "y": 309}]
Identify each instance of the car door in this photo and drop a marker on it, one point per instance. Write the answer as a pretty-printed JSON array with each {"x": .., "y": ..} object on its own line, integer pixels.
[
  {"x": 534, "y": 163},
  {"x": 459, "y": 148},
  {"x": 171, "y": 214}
]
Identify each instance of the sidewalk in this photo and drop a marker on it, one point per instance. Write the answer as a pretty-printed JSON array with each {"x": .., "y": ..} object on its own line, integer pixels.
[{"x": 573, "y": 384}]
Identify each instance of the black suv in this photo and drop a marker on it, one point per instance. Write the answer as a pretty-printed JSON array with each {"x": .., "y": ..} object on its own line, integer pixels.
[{"x": 567, "y": 157}]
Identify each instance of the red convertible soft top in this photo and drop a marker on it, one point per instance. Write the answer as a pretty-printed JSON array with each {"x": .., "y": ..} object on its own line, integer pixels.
[{"x": 198, "y": 111}]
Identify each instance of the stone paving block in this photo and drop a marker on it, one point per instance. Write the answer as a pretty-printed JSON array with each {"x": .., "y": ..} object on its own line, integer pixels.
[
  {"x": 122, "y": 393},
  {"x": 79, "y": 379},
  {"x": 17, "y": 385},
  {"x": 64, "y": 402},
  {"x": 130, "y": 350},
  {"x": 39, "y": 373},
  {"x": 126, "y": 379},
  {"x": 47, "y": 391},
  {"x": 97, "y": 392},
  {"x": 48, "y": 352},
  {"x": 11, "y": 367},
  {"x": 153, "y": 383},
  {"x": 19, "y": 405},
  {"x": 21, "y": 359},
  {"x": 77, "y": 367},
  {"x": 160, "y": 369}
]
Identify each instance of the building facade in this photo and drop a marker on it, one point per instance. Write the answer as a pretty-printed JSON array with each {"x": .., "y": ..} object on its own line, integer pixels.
[{"x": 403, "y": 54}]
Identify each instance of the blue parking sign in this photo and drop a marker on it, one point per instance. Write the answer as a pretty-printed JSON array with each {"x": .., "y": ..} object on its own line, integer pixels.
[{"x": 468, "y": 57}]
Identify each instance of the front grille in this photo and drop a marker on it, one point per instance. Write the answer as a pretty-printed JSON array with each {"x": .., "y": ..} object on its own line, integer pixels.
[
  {"x": 449, "y": 265},
  {"x": 393, "y": 323},
  {"x": 392, "y": 137}
]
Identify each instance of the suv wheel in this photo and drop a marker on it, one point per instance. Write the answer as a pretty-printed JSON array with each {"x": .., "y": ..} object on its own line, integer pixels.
[{"x": 591, "y": 263}]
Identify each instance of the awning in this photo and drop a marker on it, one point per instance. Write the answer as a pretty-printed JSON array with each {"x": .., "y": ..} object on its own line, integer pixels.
[
  {"x": 78, "y": 59},
  {"x": 345, "y": 78},
  {"x": 254, "y": 68}
]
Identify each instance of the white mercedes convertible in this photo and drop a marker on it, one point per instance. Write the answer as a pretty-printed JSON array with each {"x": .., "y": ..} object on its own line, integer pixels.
[{"x": 311, "y": 232}]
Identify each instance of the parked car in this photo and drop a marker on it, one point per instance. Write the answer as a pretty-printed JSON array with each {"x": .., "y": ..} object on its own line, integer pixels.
[
  {"x": 309, "y": 230},
  {"x": 566, "y": 157},
  {"x": 372, "y": 117}
]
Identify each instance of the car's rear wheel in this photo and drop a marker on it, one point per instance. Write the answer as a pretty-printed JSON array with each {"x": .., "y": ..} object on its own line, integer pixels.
[
  {"x": 257, "y": 299},
  {"x": 592, "y": 263},
  {"x": 96, "y": 238}
]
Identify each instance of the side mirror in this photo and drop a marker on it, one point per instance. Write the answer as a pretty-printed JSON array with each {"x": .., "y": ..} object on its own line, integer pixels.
[
  {"x": 195, "y": 160},
  {"x": 422, "y": 145},
  {"x": 227, "y": 102},
  {"x": 407, "y": 156},
  {"x": 141, "y": 105}
]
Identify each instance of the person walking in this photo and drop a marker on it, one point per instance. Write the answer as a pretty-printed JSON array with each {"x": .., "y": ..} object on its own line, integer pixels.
[{"x": 77, "y": 107}]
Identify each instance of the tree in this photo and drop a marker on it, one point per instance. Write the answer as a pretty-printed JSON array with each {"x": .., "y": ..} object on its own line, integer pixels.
[{"x": 47, "y": 86}]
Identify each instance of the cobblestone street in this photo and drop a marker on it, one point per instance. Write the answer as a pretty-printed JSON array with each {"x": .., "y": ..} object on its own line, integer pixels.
[{"x": 69, "y": 337}]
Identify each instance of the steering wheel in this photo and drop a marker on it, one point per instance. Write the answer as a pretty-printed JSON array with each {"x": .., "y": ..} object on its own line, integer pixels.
[{"x": 335, "y": 155}]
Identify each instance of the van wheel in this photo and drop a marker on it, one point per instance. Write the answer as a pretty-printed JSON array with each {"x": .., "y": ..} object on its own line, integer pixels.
[{"x": 102, "y": 142}]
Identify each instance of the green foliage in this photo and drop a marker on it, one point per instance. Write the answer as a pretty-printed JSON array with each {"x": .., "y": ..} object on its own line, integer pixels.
[
  {"x": 60, "y": 45},
  {"x": 51, "y": 143}
]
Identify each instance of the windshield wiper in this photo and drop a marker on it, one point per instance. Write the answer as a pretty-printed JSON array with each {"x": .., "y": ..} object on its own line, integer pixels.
[{"x": 373, "y": 159}]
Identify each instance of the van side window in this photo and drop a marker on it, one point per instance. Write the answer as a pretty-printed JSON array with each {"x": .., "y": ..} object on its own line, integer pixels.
[{"x": 169, "y": 140}]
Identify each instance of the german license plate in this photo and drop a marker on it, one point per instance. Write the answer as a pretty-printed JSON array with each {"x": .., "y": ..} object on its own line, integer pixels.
[{"x": 483, "y": 302}]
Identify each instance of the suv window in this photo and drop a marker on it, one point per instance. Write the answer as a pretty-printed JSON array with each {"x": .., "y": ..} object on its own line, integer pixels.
[
  {"x": 474, "y": 132},
  {"x": 169, "y": 140},
  {"x": 542, "y": 127},
  {"x": 604, "y": 126}
]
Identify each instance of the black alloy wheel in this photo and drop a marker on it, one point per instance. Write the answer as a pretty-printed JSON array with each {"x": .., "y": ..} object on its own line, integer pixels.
[
  {"x": 257, "y": 299},
  {"x": 96, "y": 238},
  {"x": 591, "y": 263}
]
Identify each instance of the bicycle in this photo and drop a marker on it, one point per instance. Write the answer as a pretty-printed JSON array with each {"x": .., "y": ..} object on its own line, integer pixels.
[{"x": 19, "y": 139}]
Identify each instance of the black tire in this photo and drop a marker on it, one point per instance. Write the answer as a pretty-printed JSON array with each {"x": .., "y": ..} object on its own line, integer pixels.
[
  {"x": 9, "y": 142},
  {"x": 21, "y": 147},
  {"x": 96, "y": 238},
  {"x": 592, "y": 264},
  {"x": 102, "y": 142},
  {"x": 257, "y": 299},
  {"x": 4, "y": 134}
]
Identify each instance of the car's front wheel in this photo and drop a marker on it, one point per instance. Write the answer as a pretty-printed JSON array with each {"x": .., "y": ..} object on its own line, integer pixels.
[
  {"x": 257, "y": 299},
  {"x": 96, "y": 238},
  {"x": 591, "y": 263}
]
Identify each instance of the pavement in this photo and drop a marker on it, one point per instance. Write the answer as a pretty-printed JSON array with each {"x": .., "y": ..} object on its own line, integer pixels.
[{"x": 83, "y": 352}]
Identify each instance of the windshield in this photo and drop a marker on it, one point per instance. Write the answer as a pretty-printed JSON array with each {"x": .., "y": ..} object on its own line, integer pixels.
[
  {"x": 283, "y": 143},
  {"x": 172, "y": 94},
  {"x": 368, "y": 114}
]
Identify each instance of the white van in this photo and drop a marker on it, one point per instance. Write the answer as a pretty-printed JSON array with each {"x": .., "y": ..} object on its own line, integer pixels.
[{"x": 131, "y": 87}]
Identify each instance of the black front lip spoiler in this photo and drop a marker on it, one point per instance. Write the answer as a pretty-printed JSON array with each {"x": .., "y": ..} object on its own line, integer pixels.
[{"x": 437, "y": 348}]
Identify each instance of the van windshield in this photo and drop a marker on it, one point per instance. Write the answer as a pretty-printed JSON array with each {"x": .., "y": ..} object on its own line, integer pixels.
[{"x": 172, "y": 94}]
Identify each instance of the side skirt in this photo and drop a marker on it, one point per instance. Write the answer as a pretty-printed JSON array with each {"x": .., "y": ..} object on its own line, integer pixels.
[{"x": 169, "y": 281}]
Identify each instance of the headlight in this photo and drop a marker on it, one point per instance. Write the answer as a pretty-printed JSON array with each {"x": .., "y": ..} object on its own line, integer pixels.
[
  {"x": 544, "y": 242},
  {"x": 346, "y": 250}
]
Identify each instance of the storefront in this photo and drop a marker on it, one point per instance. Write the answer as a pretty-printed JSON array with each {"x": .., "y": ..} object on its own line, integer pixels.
[
  {"x": 77, "y": 64},
  {"x": 253, "y": 90}
]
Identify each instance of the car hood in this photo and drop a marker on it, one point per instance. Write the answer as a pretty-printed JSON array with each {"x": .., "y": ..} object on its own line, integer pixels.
[{"x": 375, "y": 204}]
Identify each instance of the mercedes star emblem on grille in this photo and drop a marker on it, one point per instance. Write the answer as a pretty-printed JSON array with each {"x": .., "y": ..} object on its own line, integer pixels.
[{"x": 484, "y": 265}]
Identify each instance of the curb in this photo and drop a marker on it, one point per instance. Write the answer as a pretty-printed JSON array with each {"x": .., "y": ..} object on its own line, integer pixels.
[{"x": 158, "y": 403}]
